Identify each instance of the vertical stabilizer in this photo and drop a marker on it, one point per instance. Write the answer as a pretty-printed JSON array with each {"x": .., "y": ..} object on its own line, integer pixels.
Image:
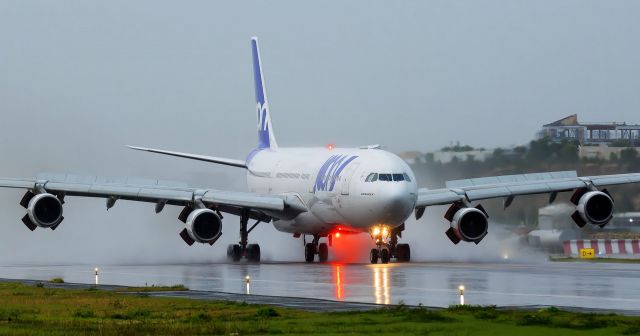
[{"x": 266, "y": 139}]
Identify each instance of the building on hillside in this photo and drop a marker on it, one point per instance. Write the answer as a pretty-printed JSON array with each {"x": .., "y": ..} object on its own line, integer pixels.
[
  {"x": 601, "y": 133},
  {"x": 472, "y": 155}
]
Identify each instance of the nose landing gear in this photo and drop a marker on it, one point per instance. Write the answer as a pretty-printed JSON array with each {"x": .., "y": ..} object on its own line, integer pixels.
[{"x": 387, "y": 246}]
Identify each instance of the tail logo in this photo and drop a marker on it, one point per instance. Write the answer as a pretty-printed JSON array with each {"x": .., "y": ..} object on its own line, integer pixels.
[
  {"x": 330, "y": 172},
  {"x": 263, "y": 122}
]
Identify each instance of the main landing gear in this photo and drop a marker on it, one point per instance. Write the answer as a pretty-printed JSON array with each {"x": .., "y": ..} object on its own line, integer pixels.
[
  {"x": 315, "y": 247},
  {"x": 235, "y": 252},
  {"x": 387, "y": 246}
]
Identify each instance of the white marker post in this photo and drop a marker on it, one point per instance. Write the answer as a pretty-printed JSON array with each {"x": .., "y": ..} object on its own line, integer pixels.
[
  {"x": 461, "y": 290},
  {"x": 95, "y": 270},
  {"x": 247, "y": 279}
]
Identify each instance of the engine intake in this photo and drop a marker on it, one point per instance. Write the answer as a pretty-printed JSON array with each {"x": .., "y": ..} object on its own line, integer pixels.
[
  {"x": 203, "y": 226},
  {"x": 593, "y": 207},
  {"x": 467, "y": 224},
  {"x": 43, "y": 210}
]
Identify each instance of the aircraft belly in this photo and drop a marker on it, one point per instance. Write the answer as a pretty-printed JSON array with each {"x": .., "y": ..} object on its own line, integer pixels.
[{"x": 303, "y": 223}]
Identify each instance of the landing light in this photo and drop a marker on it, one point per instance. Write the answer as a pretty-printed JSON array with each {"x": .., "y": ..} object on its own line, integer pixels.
[
  {"x": 376, "y": 231},
  {"x": 337, "y": 234}
]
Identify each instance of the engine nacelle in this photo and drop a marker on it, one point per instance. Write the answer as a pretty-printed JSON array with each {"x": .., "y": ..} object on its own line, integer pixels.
[
  {"x": 45, "y": 210},
  {"x": 203, "y": 226},
  {"x": 467, "y": 224},
  {"x": 594, "y": 207}
]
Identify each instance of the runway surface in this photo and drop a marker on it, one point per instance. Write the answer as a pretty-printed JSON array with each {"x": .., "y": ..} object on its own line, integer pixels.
[{"x": 612, "y": 287}]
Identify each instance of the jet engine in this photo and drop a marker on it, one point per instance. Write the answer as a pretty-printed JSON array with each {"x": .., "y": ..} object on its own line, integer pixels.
[
  {"x": 593, "y": 207},
  {"x": 43, "y": 210},
  {"x": 467, "y": 224},
  {"x": 203, "y": 226}
]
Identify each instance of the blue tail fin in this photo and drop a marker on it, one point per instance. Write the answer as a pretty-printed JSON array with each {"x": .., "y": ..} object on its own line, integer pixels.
[{"x": 266, "y": 139}]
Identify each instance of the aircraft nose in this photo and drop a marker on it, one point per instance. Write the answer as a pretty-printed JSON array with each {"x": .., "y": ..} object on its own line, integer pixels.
[{"x": 398, "y": 202}]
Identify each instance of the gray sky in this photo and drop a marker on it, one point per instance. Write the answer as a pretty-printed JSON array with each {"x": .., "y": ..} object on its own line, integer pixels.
[{"x": 80, "y": 79}]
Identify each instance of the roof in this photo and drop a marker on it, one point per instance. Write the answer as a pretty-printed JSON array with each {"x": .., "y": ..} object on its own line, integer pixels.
[{"x": 571, "y": 120}]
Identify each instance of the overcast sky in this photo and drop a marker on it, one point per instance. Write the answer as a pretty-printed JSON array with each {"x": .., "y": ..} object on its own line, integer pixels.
[{"x": 81, "y": 79}]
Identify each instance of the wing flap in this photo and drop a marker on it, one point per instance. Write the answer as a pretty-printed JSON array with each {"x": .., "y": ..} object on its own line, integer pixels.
[
  {"x": 614, "y": 179},
  {"x": 265, "y": 202},
  {"x": 17, "y": 183}
]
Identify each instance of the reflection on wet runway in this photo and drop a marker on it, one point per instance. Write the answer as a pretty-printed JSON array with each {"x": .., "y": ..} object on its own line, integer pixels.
[
  {"x": 605, "y": 286},
  {"x": 381, "y": 285}
]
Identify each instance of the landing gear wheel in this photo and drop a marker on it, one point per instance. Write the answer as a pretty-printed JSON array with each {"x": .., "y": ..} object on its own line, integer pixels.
[
  {"x": 253, "y": 253},
  {"x": 323, "y": 252},
  {"x": 403, "y": 253},
  {"x": 384, "y": 256},
  {"x": 309, "y": 252},
  {"x": 233, "y": 252},
  {"x": 374, "y": 256}
]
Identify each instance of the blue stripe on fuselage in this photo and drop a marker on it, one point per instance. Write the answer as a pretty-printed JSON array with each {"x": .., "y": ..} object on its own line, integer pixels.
[{"x": 330, "y": 170}]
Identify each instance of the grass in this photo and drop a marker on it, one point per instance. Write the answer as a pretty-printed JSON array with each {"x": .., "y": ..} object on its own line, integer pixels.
[
  {"x": 156, "y": 288},
  {"x": 33, "y": 310}
]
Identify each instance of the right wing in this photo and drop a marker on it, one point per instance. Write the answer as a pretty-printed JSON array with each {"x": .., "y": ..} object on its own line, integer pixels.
[
  {"x": 469, "y": 223},
  {"x": 509, "y": 186},
  {"x": 56, "y": 187}
]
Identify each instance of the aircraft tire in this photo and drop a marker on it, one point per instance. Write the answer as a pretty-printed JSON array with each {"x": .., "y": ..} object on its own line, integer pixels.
[
  {"x": 384, "y": 256},
  {"x": 374, "y": 256},
  {"x": 309, "y": 252},
  {"x": 253, "y": 253},
  {"x": 233, "y": 252},
  {"x": 323, "y": 252},
  {"x": 403, "y": 252}
]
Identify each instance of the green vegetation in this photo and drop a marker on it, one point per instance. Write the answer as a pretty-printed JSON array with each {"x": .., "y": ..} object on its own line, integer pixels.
[
  {"x": 31, "y": 310},
  {"x": 156, "y": 288},
  {"x": 57, "y": 280}
]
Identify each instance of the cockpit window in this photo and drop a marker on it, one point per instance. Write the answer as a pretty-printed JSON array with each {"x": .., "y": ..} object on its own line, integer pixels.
[
  {"x": 385, "y": 177},
  {"x": 406, "y": 177},
  {"x": 398, "y": 177},
  {"x": 372, "y": 177}
]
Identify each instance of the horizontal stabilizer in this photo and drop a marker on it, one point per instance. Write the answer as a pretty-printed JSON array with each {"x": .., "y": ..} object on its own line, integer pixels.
[{"x": 213, "y": 159}]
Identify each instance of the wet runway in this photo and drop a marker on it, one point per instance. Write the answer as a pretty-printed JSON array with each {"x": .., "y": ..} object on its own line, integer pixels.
[{"x": 584, "y": 285}]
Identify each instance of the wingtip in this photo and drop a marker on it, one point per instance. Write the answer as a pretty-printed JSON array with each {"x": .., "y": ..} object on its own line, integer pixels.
[{"x": 136, "y": 147}]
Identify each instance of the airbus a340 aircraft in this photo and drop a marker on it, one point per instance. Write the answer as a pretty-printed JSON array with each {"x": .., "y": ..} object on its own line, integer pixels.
[{"x": 317, "y": 192}]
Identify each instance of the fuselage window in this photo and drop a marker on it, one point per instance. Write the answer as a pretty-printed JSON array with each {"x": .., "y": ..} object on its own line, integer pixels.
[
  {"x": 384, "y": 177},
  {"x": 372, "y": 177},
  {"x": 398, "y": 177}
]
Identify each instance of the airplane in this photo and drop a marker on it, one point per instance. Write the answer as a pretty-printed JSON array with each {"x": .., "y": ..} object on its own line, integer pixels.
[{"x": 319, "y": 192}]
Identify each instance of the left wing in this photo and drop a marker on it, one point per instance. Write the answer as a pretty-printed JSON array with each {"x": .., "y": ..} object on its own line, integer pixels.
[
  {"x": 213, "y": 159},
  {"x": 46, "y": 195},
  {"x": 592, "y": 205}
]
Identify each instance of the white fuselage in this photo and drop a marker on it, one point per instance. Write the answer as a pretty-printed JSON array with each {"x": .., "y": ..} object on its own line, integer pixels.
[{"x": 337, "y": 187}]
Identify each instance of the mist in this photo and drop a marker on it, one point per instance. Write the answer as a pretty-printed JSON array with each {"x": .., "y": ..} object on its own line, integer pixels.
[{"x": 80, "y": 80}]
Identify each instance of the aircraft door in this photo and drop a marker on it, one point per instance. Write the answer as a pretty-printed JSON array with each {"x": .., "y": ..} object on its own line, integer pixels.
[{"x": 347, "y": 177}]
